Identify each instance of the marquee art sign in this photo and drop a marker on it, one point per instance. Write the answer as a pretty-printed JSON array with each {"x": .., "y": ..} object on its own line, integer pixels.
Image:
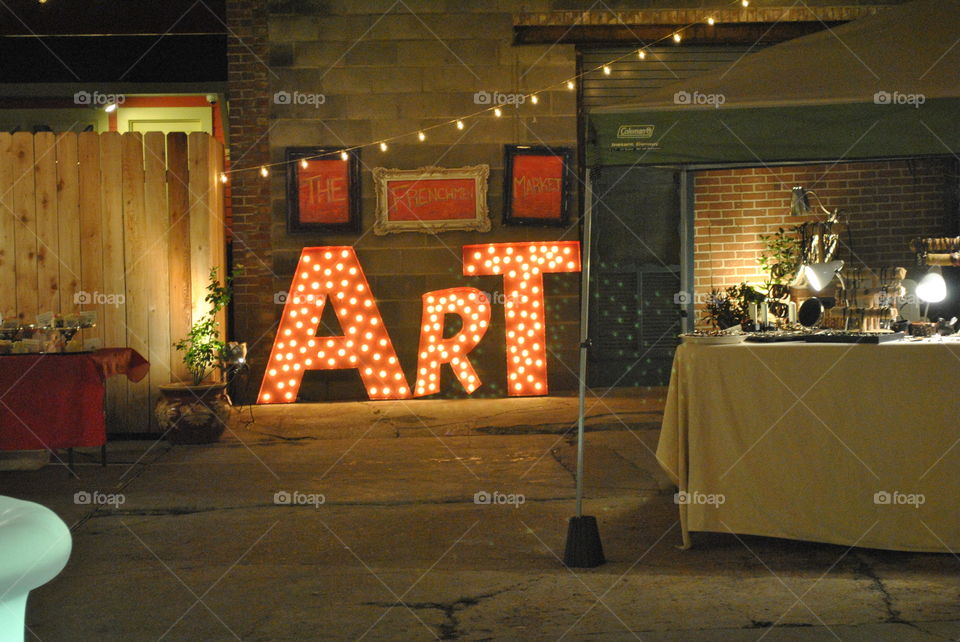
[{"x": 334, "y": 275}]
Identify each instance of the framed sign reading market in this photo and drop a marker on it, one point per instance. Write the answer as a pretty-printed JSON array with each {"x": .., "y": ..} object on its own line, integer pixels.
[
  {"x": 432, "y": 199},
  {"x": 537, "y": 185},
  {"x": 323, "y": 190}
]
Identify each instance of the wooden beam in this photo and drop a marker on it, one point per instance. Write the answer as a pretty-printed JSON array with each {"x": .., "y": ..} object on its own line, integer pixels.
[{"x": 759, "y": 33}]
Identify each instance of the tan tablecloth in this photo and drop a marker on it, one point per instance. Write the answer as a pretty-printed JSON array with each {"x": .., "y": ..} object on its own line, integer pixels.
[{"x": 807, "y": 441}]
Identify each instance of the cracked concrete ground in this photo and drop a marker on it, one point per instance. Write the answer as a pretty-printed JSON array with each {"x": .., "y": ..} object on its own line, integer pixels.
[{"x": 398, "y": 550}]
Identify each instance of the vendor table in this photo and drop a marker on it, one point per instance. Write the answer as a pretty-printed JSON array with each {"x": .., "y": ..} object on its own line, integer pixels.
[
  {"x": 839, "y": 443},
  {"x": 51, "y": 401}
]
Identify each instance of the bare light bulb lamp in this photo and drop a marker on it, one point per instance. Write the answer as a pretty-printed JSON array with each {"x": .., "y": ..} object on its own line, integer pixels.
[{"x": 931, "y": 289}]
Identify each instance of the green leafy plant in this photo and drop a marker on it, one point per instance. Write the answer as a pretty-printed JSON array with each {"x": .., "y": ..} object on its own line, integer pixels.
[
  {"x": 780, "y": 261},
  {"x": 202, "y": 346},
  {"x": 731, "y": 306}
]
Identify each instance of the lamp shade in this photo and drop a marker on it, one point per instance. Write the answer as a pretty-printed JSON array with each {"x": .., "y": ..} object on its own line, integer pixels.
[
  {"x": 819, "y": 275},
  {"x": 932, "y": 288}
]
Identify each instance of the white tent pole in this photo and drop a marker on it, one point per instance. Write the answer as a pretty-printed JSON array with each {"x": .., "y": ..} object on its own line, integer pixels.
[{"x": 584, "y": 334}]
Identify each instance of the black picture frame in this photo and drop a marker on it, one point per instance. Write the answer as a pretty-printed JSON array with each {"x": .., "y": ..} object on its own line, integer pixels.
[
  {"x": 293, "y": 157},
  {"x": 513, "y": 151}
]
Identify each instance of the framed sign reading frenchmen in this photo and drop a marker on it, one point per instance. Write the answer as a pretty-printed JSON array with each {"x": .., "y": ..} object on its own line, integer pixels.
[
  {"x": 431, "y": 199},
  {"x": 536, "y": 185},
  {"x": 323, "y": 190}
]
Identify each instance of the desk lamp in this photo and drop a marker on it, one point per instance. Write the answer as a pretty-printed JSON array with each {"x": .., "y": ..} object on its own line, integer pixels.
[{"x": 819, "y": 275}]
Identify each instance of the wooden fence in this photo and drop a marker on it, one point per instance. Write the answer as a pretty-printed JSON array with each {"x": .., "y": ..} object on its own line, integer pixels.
[{"x": 128, "y": 225}]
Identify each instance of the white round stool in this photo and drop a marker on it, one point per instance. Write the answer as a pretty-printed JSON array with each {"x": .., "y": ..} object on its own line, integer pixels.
[{"x": 34, "y": 547}]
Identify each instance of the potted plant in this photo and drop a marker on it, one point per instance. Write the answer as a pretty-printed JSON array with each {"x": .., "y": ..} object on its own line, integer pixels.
[
  {"x": 197, "y": 412},
  {"x": 731, "y": 307},
  {"x": 781, "y": 262}
]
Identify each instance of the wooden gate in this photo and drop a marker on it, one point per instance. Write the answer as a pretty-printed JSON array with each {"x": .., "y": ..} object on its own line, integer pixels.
[{"x": 128, "y": 225}]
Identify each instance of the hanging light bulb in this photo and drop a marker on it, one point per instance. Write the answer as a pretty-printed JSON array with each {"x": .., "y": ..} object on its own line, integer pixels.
[
  {"x": 303, "y": 163},
  {"x": 711, "y": 21},
  {"x": 223, "y": 178},
  {"x": 459, "y": 124},
  {"x": 383, "y": 146},
  {"x": 421, "y": 136},
  {"x": 534, "y": 99},
  {"x": 676, "y": 37},
  {"x": 571, "y": 85},
  {"x": 745, "y": 3},
  {"x": 641, "y": 54},
  {"x": 497, "y": 112},
  {"x": 606, "y": 70},
  {"x": 264, "y": 171},
  {"x": 344, "y": 155}
]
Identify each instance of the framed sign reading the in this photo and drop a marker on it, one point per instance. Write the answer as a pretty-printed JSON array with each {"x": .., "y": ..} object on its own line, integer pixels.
[
  {"x": 536, "y": 186},
  {"x": 323, "y": 190},
  {"x": 431, "y": 199}
]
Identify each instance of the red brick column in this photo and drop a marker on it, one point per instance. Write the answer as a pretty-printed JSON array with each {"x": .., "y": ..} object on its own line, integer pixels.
[{"x": 248, "y": 94}]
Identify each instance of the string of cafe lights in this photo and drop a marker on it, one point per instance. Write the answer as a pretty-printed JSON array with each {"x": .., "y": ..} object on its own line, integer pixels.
[{"x": 383, "y": 144}]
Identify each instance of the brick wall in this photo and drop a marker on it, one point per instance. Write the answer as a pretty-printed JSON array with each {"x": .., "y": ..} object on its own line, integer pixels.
[
  {"x": 887, "y": 204},
  {"x": 250, "y": 196},
  {"x": 381, "y": 75}
]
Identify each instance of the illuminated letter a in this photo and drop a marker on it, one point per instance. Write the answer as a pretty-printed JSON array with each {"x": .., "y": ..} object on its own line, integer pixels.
[{"x": 332, "y": 273}]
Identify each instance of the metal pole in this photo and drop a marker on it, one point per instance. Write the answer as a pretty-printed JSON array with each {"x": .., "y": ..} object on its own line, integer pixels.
[
  {"x": 688, "y": 311},
  {"x": 584, "y": 334}
]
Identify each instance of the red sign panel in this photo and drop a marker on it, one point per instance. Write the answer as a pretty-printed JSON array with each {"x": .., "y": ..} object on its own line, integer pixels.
[
  {"x": 537, "y": 186},
  {"x": 432, "y": 199},
  {"x": 324, "y": 192}
]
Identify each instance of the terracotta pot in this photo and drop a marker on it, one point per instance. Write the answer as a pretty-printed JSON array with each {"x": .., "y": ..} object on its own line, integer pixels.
[{"x": 190, "y": 414}]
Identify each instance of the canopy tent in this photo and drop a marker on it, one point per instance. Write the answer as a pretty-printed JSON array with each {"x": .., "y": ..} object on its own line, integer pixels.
[
  {"x": 883, "y": 86},
  {"x": 880, "y": 87}
]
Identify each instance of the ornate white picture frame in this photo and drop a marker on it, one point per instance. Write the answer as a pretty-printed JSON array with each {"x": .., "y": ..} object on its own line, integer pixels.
[{"x": 432, "y": 199}]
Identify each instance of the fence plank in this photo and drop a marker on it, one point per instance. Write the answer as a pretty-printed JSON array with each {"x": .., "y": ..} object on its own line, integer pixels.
[
  {"x": 68, "y": 219},
  {"x": 8, "y": 224},
  {"x": 198, "y": 154},
  {"x": 158, "y": 295},
  {"x": 178, "y": 250},
  {"x": 25, "y": 235},
  {"x": 48, "y": 232},
  {"x": 137, "y": 263},
  {"x": 91, "y": 224},
  {"x": 114, "y": 280},
  {"x": 218, "y": 248}
]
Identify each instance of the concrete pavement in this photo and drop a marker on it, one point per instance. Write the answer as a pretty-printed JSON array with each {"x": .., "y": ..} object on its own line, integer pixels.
[{"x": 358, "y": 520}]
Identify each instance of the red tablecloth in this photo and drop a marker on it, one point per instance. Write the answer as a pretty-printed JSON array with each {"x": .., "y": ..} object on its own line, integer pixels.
[{"x": 56, "y": 400}]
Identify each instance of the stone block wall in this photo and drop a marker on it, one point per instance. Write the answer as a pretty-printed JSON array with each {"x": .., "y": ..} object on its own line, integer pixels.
[{"x": 387, "y": 70}]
